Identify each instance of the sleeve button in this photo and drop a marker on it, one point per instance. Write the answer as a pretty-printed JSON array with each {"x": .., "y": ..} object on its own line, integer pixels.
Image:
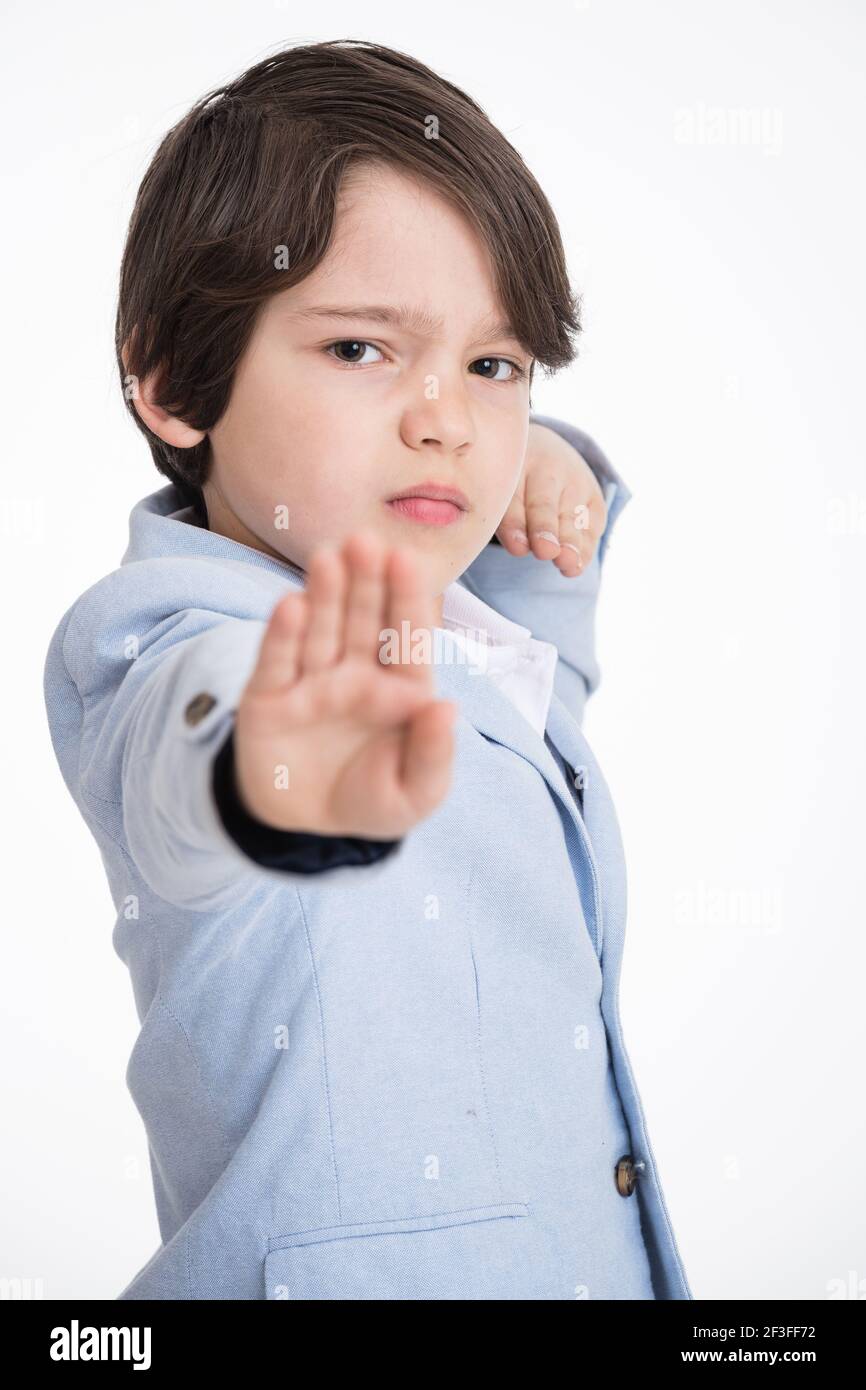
[
  {"x": 198, "y": 707},
  {"x": 626, "y": 1172}
]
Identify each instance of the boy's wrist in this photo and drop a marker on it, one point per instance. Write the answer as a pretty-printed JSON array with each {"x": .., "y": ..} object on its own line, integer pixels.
[{"x": 300, "y": 851}]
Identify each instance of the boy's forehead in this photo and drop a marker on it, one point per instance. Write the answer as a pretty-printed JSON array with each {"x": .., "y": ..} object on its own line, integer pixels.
[
  {"x": 388, "y": 207},
  {"x": 419, "y": 319},
  {"x": 403, "y": 256},
  {"x": 381, "y": 273}
]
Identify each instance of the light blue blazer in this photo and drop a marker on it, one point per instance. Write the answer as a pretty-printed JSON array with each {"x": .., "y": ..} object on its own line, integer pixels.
[{"x": 404, "y": 1080}]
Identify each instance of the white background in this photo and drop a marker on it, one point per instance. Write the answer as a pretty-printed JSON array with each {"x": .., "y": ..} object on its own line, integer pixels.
[{"x": 721, "y": 368}]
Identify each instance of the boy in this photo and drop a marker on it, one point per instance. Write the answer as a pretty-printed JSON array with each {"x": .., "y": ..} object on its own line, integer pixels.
[{"x": 370, "y": 888}]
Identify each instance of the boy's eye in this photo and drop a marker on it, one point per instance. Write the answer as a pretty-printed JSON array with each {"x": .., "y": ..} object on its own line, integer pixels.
[
  {"x": 355, "y": 348},
  {"x": 516, "y": 370},
  {"x": 354, "y": 345}
]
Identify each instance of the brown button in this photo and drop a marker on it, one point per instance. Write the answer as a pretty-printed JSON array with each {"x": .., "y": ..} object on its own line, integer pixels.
[
  {"x": 626, "y": 1175},
  {"x": 198, "y": 707}
]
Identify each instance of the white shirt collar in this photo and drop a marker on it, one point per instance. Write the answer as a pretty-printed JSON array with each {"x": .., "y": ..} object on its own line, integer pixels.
[{"x": 520, "y": 665}]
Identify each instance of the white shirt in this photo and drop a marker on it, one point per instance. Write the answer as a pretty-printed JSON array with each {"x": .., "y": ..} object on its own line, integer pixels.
[{"x": 521, "y": 666}]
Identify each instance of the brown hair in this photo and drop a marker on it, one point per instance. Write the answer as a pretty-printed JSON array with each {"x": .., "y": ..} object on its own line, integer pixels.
[{"x": 257, "y": 165}]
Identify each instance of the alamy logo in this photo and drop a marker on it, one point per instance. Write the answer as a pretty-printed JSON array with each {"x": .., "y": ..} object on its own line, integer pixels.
[
  {"x": 425, "y": 646},
  {"x": 101, "y": 1344}
]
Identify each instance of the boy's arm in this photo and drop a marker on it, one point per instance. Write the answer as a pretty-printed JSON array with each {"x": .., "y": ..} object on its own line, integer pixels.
[
  {"x": 534, "y": 593},
  {"x": 154, "y": 739}
]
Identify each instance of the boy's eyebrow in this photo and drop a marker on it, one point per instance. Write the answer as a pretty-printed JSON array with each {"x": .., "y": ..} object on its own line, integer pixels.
[{"x": 419, "y": 321}]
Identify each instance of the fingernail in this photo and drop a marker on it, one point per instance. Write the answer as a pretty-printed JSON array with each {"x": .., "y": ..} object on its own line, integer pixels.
[
  {"x": 547, "y": 536},
  {"x": 576, "y": 551}
]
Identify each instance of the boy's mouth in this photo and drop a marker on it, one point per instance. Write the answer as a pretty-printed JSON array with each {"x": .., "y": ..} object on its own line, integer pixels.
[{"x": 431, "y": 503}]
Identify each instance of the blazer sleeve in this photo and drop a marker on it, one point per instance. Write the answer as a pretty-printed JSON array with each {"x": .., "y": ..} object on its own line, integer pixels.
[
  {"x": 533, "y": 593},
  {"x": 152, "y": 736}
]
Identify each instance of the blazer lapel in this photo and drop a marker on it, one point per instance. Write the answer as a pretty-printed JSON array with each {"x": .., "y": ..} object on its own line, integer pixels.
[
  {"x": 494, "y": 716},
  {"x": 600, "y": 820}
]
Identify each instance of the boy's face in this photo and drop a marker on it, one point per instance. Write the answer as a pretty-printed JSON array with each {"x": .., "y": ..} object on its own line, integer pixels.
[{"x": 312, "y": 447}]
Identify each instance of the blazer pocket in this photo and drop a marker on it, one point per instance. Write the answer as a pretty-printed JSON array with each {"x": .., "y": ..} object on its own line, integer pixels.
[{"x": 470, "y": 1253}]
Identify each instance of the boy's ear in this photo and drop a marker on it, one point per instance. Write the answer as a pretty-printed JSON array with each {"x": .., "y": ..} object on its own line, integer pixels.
[{"x": 168, "y": 427}]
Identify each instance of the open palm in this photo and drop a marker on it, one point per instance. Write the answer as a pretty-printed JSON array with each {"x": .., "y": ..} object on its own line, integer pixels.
[{"x": 329, "y": 738}]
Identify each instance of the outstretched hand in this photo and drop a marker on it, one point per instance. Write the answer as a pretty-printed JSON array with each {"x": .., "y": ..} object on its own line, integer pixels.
[{"x": 329, "y": 738}]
